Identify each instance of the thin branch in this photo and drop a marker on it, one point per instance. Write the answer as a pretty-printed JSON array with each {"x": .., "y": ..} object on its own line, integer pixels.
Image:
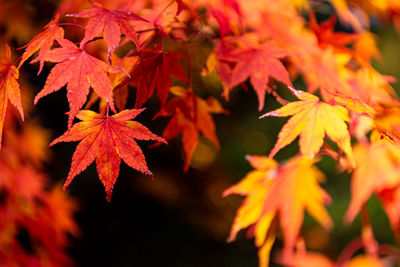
[{"x": 72, "y": 24}]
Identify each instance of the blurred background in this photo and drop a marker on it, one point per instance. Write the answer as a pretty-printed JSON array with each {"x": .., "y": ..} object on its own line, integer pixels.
[{"x": 180, "y": 219}]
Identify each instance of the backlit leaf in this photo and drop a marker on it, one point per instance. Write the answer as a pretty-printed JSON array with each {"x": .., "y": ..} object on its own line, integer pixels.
[
  {"x": 312, "y": 119},
  {"x": 79, "y": 71},
  {"x": 9, "y": 87},
  {"x": 283, "y": 191},
  {"x": 107, "y": 139}
]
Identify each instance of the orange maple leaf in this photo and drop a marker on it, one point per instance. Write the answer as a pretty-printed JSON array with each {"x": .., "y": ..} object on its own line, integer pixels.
[
  {"x": 109, "y": 22},
  {"x": 183, "y": 6},
  {"x": 326, "y": 35},
  {"x": 81, "y": 71},
  {"x": 107, "y": 139},
  {"x": 190, "y": 115},
  {"x": 377, "y": 170},
  {"x": 390, "y": 199},
  {"x": 326, "y": 70},
  {"x": 284, "y": 191},
  {"x": 311, "y": 120},
  {"x": 373, "y": 88},
  {"x": 43, "y": 42},
  {"x": 9, "y": 87},
  {"x": 258, "y": 62}
]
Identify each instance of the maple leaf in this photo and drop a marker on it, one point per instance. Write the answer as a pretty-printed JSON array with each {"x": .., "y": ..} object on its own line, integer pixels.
[
  {"x": 9, "y": 87},
  {"x": 377, "y": 170},
  {"x": 182, "y": 6},
  {"x": 255, "y": 186},
  {"x": 79, "y": 71},
  {"x": 387, "y": 122},
  {"x": 120, "y": 93},
  {"x": 43, "y": 42},
  {"x": 109, "y": 22},
  {"x": 107, "y": 139},
  {"x": 326, "y": 70},
  {"x": 390, "y": 199},
  {"x": 153, "y": 72},
  {"x": 373, "y": 88},
  {"x": 350, "y": 16},
  {"x": 311, "y": 120},
  {"x": 326, "y": 35},
  {"x": 190, "y": 116},
  {"x": 227, "y": 14},
  {"x": 366, "y": 47},
  {"x": 28, "y": 143},
  {"x": 258, "y": 62},
  {"x": 284, "y": 191}
]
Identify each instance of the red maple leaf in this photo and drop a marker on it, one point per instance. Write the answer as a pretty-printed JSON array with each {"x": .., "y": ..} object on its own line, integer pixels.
[
  {"x": 79, "y": 71},
  {"x": 109, "y": 22},
  {"x": 182, "y": 6},
  {"x": 43, "y": 42},
  {"x": 258, "y": 62},
  {"x": 154, "y": 71},
  {"x": 107, "y": 139},
  {"x": 9, "y": 87},
  {"x": 191, "y": 115},
  {"x": 326, "y": 35}
]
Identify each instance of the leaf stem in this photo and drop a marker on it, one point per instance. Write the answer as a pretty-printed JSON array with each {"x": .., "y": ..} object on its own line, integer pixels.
[
  {"x": 147, "y": 30},
  {"x": 278, "y": 98},
  {"x": 17, "y": 60},
  {"x": 349, "y": 251},
  {"x": 72, "y": 24},
  {"x": 367, "y": 234}
]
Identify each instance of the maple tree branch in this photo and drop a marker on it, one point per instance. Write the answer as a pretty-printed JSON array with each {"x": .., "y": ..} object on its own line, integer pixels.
[
  {"x": 188, "y": 62},
  {"x": 367, "y": 234},
  {"x": 329, "y": 152},
  {"x": 162, "y": 40},
  {"x": 245, "y": 88},
  {"x": 147, "y": 30},
  {"x": 93, "y": 40},
  {"x": 130, "y": 53},
  {"x": 72, "y": 24},
  {"x": 389, "y": 250},
  {"x": 349, "y": 251},
  {"x": 199, "y": 32}
]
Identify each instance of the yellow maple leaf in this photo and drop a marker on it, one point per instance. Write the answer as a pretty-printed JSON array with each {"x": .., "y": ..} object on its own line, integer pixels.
[
  {"x": 279, "y": 191},
  {"x": 311, "y": 120}
]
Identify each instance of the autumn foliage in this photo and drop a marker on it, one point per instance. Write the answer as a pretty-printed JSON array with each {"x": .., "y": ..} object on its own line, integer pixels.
[{"x": 136, "y": 56}]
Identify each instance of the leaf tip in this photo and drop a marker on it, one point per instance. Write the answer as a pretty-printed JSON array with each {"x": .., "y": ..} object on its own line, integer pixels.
[
  {"x": 268, "y": 114},
  {"x": 37, "y": 97},
  {"x": 162, "y": 140},
  {"x": 348, "y": 217},
  {"x": 297, "y": 93},
  {"x": 109, "y": 194},
  {"x": 65, "y": 185},
  {"x": 226, "y": 192}
]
